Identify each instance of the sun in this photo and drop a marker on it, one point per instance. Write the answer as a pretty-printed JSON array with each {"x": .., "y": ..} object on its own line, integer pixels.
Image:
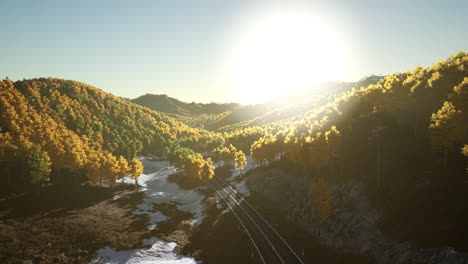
[{"x": 283, "y": 51}]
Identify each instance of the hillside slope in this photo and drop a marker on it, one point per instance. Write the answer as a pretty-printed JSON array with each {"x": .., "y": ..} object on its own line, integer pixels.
[
  {"x": 398, "y": 149},
  {"x": 49, "y": 126},
  {"x": 165, "y": 104},
  {"x": 229, "y": 116}
]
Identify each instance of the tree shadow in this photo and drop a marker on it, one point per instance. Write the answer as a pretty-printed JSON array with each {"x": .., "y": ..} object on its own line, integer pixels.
[{"x": 55, "y": 200}]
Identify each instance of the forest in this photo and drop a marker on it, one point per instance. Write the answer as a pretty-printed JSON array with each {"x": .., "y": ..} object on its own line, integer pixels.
[
  {"x": 410, "y": 130},
  {"x": 59, "y": 131},
  {"x": 404, "y": 137},
  {"x": 257, "y": 132}
]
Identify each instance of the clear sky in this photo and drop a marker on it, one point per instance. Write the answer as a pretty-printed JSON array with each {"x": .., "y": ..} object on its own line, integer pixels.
[{"x": 180, "y": 48}]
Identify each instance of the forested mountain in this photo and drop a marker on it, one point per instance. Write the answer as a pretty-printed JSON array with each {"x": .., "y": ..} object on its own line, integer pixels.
[
  {"x": 165, "y": 104},
  {"x": 288, "y": 107},
  {"x": 53, "y": 129},
  {"x": 224, "y": 117},
  {"x": 404, "y": 136},
  {"x": 409, "y": 125}
]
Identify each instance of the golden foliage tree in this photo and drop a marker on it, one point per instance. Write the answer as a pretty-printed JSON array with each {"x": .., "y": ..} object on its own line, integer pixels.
[
  {"x": 123, "y": 168},
  {"x": 136, "y": 169},
  {"x": 207, "y": 171},
  {"x": 241, "y": 160}
]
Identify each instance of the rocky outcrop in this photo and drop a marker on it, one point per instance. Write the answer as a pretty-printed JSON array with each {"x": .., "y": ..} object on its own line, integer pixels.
[{"x": 352, "y": 225}]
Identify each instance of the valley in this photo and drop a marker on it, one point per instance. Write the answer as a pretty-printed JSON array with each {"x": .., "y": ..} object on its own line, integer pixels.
[{"x": 372, "y": 171}]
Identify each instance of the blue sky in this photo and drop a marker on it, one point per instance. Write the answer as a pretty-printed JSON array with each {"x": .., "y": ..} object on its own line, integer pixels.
[{"x": 176, "y": 47}]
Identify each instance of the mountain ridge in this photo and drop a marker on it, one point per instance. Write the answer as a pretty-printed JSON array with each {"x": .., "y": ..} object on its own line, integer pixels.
[
  {"x": 214, "y": 116},
  {"x": 166, "y": 104}
]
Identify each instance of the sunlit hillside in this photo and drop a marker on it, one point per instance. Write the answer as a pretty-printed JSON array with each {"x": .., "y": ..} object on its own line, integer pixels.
[
  {"x": 53, "y": 129},
  {"x": 226, "y": 117},
  {"x": 193, "y": 114}
]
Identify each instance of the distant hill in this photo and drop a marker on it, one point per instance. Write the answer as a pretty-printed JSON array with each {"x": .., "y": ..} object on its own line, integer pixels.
[
  {"x": 166, "y": 104},
  {"x": 215, "y": 116},
  {"x": 287, "y": 107}
]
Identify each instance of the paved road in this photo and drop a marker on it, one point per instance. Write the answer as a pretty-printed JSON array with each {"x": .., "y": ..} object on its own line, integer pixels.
[{"x": 269, "y": 244}]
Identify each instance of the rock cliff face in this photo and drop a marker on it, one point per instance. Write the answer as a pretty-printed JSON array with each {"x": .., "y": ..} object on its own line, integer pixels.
[{"x": 352, "y": 225}]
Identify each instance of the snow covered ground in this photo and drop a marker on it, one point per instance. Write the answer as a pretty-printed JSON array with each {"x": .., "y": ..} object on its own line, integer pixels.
[
  {"x": 161, "y": 252},
  {"x": 157, "y": 190},
  {"x": 240, "y": 186}
]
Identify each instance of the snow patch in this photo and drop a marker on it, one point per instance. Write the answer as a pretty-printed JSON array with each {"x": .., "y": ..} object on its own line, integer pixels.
[
  {"x": 156, "y": 189},
  {"x": 219, "y": 205},
  {"x": 235, "y": 173},
  {"x": 242, "y": 187},
  {"x": 161, "y": 252}
]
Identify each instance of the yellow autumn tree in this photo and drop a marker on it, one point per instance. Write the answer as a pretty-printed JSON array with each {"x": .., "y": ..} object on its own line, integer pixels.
[
  {"x": 123, "y": 168},
  {"x": 94, "y": 172},
  {"x": 110, "y": 168},
  {"x": 240, "y": 160},
  {"x": 207, "y": 170},
  {"x": 136, "y": 169},
  {"x": 193, "y": 165}
]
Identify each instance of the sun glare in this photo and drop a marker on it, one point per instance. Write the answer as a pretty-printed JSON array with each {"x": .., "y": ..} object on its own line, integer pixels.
[{"x": 283, "y": 51}]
